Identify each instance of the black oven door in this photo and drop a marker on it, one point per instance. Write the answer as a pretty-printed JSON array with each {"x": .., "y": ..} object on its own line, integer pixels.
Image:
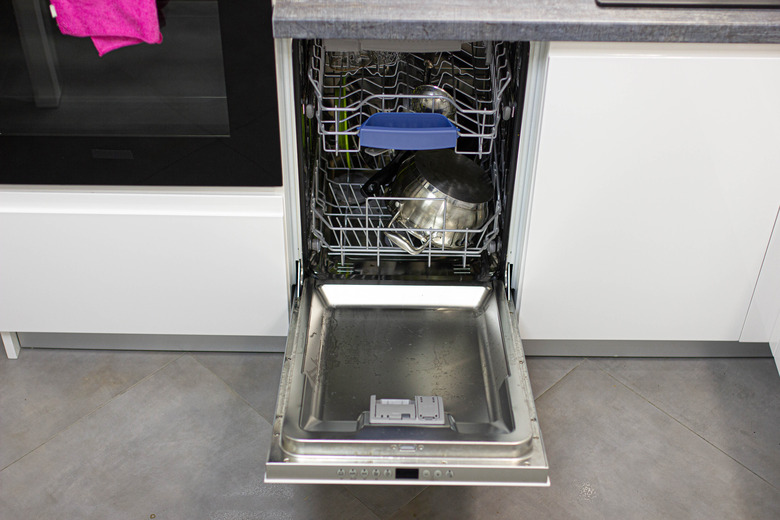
[{"x": 197, "y": 109}]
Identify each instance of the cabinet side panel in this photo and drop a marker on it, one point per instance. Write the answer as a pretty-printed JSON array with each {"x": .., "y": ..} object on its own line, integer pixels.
[
  {"x": 774, "y": 343},
  {"x": 765, "y": 305}
]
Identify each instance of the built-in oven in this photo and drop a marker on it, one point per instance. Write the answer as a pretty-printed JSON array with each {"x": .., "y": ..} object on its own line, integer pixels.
[
  {"x": 196, "y": 107},
  {"x": 403, "y": 363}
]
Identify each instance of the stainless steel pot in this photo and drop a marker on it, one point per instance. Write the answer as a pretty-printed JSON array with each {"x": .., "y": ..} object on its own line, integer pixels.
[
  {"x": 433, "y": 99},
  {"x": 439, "y": 190}
]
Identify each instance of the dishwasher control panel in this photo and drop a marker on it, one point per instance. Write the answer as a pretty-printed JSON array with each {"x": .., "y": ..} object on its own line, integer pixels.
[{"x": 373, "y": 473}]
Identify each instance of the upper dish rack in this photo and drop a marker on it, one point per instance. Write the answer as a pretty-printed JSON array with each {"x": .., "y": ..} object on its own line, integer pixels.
[
  {"x": 350, "y": 87},
  {"x": 348, "y": 224}
]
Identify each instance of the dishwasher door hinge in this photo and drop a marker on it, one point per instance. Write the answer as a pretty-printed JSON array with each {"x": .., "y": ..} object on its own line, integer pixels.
[
  {"x": 298, "y": 279},
  {"x": 508, "y": 281}
]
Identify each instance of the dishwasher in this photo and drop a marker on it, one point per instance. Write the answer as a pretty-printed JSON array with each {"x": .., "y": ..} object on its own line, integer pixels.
[{"x": 403, "y": 363}]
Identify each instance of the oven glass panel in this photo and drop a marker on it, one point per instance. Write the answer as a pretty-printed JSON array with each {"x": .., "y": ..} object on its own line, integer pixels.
[{"x": 199, "y": 108}]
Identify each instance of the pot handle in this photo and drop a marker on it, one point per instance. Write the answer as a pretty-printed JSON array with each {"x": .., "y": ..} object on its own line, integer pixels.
[
  {"x": 405, "y": 244},
  {"x": 384, "y": 176}
]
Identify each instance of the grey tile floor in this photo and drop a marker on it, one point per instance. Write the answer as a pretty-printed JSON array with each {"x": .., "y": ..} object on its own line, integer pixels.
[{"x": 138, "y": 435}]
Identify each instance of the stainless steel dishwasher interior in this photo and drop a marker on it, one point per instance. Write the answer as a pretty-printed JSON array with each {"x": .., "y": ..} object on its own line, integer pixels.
[{"x": 392, "y": 341}]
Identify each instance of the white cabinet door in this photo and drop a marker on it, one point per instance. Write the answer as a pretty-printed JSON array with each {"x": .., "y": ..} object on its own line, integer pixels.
[
  {"x": 656, "y": 187},
  {"x": 763, "y": 319},
  {"x": 147, "y": 261},
  {"x": 765, "y": 305}
]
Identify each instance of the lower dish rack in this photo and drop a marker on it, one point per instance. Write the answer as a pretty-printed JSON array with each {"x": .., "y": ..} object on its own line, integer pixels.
[{"x": 347, "y": 224}]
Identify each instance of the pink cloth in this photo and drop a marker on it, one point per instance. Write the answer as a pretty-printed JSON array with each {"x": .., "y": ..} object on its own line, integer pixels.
[{"x": 110, "y": 23}]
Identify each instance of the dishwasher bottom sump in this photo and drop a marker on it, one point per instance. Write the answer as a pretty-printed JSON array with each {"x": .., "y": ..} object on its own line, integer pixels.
[{"x": 405, "y": 384}]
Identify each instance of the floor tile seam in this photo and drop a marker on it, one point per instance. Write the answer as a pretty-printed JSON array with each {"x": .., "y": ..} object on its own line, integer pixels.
[
  {"x": 374, "y": 516},
  {"x": 373, "y": 513},
  {"x": 234, "y": 392},
  {"x": 675, "y": 419},
  {"x": 386, "y": 517},
  {"x": 575, "y": 367},
  {"x": 93, "y": 411}
]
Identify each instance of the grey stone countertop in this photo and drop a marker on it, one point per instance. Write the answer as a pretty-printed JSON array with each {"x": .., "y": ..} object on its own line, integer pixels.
[{"x": 531, "y": 20}]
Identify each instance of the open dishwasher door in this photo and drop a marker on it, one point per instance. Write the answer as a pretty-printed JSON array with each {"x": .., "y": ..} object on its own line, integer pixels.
[{"x": 392, "y": 383}]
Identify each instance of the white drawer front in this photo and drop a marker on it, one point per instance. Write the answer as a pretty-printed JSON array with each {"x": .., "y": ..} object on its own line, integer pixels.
[{"x": 143, "y": 261}]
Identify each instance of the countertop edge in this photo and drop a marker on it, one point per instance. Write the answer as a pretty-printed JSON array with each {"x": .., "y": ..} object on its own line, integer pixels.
[
  {"x": 529, "y": 31},
  {"x": 522, "y": 20}
]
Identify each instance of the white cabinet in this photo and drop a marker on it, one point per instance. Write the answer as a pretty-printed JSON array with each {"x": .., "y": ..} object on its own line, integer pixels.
[
  {"x": 144, "y": 261},
  {"x": 764, "y": 307},
  {"x": 763, "y": 318},
  {"x": 656, "y": 187}
]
